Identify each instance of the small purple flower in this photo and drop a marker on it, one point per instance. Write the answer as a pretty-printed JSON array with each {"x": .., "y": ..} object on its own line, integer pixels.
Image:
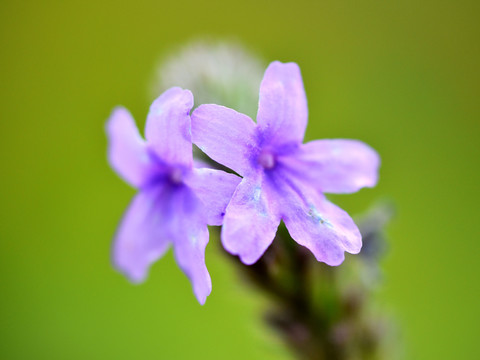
[
  {"x": 175, "y": 201},
  {"x": 284, "y": 179}
]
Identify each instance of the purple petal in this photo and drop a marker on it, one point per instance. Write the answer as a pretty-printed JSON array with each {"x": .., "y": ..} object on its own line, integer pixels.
[
  {"x": 225, "y": 135},
  {"x": 142, "y": 237},
  {"x": 190, "y": 237},
  {"x": 314, "y": 222},
  {"x": 190, "y": 256},
  {"x": 335, "y": 166},
  {"x": 282, "y": 110},
  {"x": 127, "y": 151},
  {"x": 214, "y": 188},
  {"x": 250, "y": 222},
  {"x": 168, "y": 127}
]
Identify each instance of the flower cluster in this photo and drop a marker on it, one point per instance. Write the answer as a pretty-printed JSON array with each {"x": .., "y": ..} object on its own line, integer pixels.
[{"x": 280, "y": 179}]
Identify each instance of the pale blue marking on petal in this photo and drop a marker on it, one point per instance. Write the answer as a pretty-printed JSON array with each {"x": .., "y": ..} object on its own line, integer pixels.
[
  {"x": 193, "y": 240},
  {"x": 318, "y": 218},
  {"x": 256, "y": 193}
]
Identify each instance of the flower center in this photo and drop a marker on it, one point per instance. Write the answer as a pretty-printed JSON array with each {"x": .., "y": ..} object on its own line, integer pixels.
[
  {"x": 267, "y": 160},
  {"x": 175, "y": 176}
]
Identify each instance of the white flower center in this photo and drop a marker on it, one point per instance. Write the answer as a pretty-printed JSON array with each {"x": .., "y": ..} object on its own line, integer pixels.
[
  {"x": 267, "y": 160},
  {"x": 176, "y": 176}
]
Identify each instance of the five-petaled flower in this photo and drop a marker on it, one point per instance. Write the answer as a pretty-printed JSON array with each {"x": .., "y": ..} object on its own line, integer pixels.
[
  {"x": 284, "y": 179},
  {"x": 175, "y": 201}
]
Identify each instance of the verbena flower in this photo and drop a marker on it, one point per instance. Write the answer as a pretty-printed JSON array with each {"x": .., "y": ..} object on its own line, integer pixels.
[
  {"x": 284, "y": 179},
  {"x": 175, "y": 201}
]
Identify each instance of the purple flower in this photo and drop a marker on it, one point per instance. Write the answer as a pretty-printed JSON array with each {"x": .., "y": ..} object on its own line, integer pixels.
[
  {"x": 284, "y": 179},
  {"x": 175, "y": 201}
]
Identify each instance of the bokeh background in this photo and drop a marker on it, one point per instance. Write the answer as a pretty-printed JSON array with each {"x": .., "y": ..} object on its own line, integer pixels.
[{"x": 401, "y": 75}]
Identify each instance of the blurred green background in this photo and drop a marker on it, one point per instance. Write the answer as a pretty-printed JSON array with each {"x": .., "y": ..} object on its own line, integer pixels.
[{"x": 401, "y": 75}]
